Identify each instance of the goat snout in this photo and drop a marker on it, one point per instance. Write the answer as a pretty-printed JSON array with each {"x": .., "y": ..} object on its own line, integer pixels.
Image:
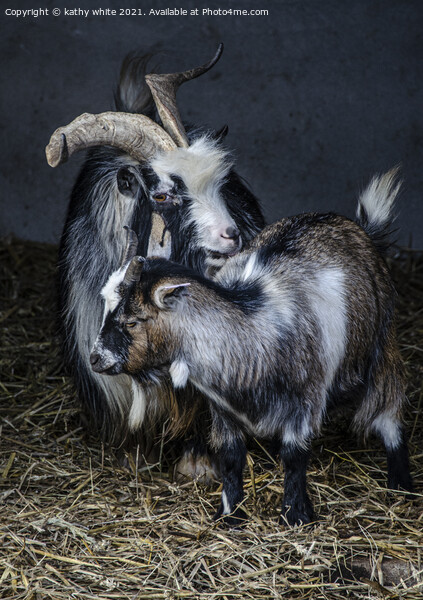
[
  {"x": 230, "y": 241},
  {"x": 231, "y": 233},
  {"x": 100, "y": 363}
]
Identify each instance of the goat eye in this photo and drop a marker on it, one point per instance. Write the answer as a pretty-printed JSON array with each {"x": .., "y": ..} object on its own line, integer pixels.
[
  {"x": 131, "y": 324},
  {"x": 160, "y": 197}
]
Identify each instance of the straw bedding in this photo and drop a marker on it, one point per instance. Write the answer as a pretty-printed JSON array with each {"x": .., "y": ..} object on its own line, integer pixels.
[{"x": 75, "y": 523}]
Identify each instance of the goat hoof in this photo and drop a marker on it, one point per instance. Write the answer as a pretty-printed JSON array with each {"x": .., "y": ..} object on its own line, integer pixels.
[
  {"x": 401, "y": 487},
  {"x": 403, "y": 483},
  {"x": 235, "y": 520},
  {"x": 297, "y": 514}
]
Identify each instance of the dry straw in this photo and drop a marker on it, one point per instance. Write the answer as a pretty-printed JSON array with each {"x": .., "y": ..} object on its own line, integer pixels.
[{"x": 76, "y": 524}]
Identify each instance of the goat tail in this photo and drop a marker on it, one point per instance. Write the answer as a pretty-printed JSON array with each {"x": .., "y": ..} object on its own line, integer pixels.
[{"x": 374, "y": 210}]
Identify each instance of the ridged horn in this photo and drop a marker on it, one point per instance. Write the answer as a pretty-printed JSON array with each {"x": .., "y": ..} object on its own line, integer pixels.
[
  {"x": 131, "y": 246},
  {"x": 133, "y": 272},
  {"x": 164, "y": 87},
  {"x": 135, "y": 134}
]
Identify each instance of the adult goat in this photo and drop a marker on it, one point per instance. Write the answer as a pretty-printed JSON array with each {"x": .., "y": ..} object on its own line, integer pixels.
[{"x": 177, "y": 188}]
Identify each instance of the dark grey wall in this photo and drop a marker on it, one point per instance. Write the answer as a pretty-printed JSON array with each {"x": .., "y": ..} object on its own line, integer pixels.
[{"x": 318, "y": 95}]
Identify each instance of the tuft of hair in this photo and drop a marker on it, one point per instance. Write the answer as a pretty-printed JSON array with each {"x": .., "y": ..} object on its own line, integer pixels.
[
  {"x": 374, "y": 210},
  {"x": 132, "y": 93},
  {"x": 203, "y": 165}
]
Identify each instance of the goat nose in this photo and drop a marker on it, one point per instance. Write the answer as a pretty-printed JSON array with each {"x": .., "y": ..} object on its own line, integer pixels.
[
  {"x": 231, "y": 233},
  {"x": 94, "y": 358},
  {"x": 97, "y": 364}
]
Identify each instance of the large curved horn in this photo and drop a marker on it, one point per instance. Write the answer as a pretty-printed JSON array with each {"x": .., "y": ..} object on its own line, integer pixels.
[
  {"x": 164, "y": 88},
  {"x": 135, "y": 134}
]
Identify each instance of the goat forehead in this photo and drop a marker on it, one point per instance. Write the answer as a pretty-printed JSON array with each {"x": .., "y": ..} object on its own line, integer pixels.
[
  {"x": 136, "y": 300},
  {"x": 202, "y": 166},
  {"x": 110, "y": 291}
]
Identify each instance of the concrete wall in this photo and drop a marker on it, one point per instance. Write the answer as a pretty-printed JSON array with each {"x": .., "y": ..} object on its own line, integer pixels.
[{"x": 318, "y": 96}]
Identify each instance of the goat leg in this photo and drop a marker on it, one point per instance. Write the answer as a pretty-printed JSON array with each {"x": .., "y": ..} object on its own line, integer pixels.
[
  {"x": 399, "y": 477},
  {"x": 297, "y": 508},
  {"x": 232, "y": 458}
]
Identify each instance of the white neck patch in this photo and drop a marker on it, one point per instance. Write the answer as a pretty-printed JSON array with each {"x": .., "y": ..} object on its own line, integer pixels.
[
  {"x": 179, "y": 373},
  {"x": 137, "y": 412}
]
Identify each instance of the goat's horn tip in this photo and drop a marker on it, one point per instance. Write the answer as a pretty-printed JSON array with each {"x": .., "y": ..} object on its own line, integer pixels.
[
  {"x": 51, "y": 155},
  {"x": 131, "y": 236},
  {"x": 217, "y": 56},
  {"x": 50, "y": 161},
  {"x": 57, "y": 150},
  {"x": 129, "y": 231}
]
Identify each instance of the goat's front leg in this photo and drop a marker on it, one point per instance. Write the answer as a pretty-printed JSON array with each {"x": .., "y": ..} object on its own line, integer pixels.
[
  {"x": 231, "y": 452},
  {"x": 232, "y": 461},
  {"x": 297, "y": 508}
]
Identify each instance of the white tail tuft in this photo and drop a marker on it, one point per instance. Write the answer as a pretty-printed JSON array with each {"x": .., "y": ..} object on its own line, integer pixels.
[{"x": 376, "y": 202}]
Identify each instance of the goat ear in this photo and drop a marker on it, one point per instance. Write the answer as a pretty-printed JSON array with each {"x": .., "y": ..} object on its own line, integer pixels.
[
  {"x": 168, "y": 295},
  {"x": 128, "y": 181}
]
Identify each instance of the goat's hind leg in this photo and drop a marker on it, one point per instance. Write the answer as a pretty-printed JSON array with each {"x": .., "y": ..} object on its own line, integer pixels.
[
  {"x": 392, "y": 434},
  {"x": 380, "y": 412}
]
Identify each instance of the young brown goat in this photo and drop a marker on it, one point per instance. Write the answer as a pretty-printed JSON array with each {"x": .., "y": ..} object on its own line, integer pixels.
[{"x": 300, "y": 321}]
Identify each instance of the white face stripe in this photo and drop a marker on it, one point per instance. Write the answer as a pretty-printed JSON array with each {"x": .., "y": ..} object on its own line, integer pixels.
[
  {"x": 110, "y": 291},
  {"x": 202, "y": 167}
]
